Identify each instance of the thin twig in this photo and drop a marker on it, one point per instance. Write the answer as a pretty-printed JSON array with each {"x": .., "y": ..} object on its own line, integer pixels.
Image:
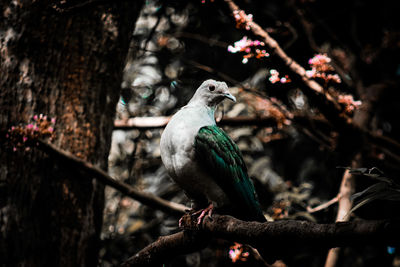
[
  {"x": 80, "y": 6},
  {"x": 246, "y": 87},
  {"x": 94, "y": 172},
  {"x": 212, "y": 71},
  {"x": 202, "y": 38},
  {"x": 160, "y": 13},
  {"x": 324, "y": 205}
]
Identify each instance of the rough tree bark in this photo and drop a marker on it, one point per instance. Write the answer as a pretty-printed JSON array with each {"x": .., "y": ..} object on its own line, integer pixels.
[
  {"x": 65, "y": 60},
  {"x": 281, "y": 238}
]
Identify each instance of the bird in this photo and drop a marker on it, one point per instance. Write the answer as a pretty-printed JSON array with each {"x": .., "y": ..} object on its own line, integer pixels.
[{"x": 205, "y": 162}]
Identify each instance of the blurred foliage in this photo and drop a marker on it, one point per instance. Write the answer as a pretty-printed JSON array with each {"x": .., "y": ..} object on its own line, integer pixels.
[
  {"x": 385, "y": 189},
  {"x": 178, "y": 44}
]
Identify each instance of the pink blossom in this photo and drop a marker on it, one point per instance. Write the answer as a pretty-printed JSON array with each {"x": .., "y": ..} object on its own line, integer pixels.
[
  {"x": 29, "y": 126},
  {"x": 245, "y": 45},
  {"x": 35, "y": 117},
  {"x": 12, "y": 128},
  {"x": 50, "y": 129},
  {"x": 14, "y": 149},
  {"x": 310, "y": 73},
  {"x": 240, "y": 45},
  {"x": 243, "y": 20},
  {"x": 249, "y": 20},
  {"x": 233, "y": 254},
  {"x": 24, "y": 138},
  {"x": 274, "y": 79},
  {"x": 53, "y": 120},
  {"x": 231, "y": 49},
  {"x": 320, "y": 68},
  {"x": 349, "y": 102},
  {"x": 335, "y": 78},
  {"x": 242, "y": 42},
  {"x": 319, "y": 59}
]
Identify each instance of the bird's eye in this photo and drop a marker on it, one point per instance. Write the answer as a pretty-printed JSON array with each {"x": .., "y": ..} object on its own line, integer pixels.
[{"x": 211, "y": 87}]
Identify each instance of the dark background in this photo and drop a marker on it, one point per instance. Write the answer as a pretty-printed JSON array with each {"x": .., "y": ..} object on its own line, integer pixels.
[{"x": 88, "y": 63}]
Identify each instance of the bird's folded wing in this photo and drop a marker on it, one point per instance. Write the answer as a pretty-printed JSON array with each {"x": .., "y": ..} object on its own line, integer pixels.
[{"x": 222, "y": 159}]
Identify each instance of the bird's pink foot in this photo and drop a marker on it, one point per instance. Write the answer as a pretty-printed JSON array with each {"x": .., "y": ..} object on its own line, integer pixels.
[
  {"x": 203, "y": 213},
  {"x": 180, "y": 222}
]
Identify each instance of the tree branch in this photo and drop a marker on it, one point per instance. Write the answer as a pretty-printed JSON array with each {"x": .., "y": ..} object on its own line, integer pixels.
[
  {"x": 168, "y": 247},
  {"x": 100, "y": 175},
  {"x": 320, "y": 97},
  {"x": 325, "y": 102},
  {"x": 162, "y": 121},
  {"x": 275, "y": 236}
]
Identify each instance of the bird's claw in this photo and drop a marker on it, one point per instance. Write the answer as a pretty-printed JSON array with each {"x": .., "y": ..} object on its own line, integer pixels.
[
  {"x": 187, "y": 219},
  {"x": 205, "y": 211}
]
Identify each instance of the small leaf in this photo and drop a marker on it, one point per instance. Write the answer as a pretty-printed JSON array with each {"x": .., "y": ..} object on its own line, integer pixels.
[
  {"x": 373, "y": 173},
  {"x": 371, "y": 190},
  {"x": 386, "y": 189}
]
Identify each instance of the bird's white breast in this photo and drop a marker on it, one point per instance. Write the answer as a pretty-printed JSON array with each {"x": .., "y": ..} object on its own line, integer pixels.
[
  {"x": 178, "y": 155},
  {"x": 178, "y": 137}
]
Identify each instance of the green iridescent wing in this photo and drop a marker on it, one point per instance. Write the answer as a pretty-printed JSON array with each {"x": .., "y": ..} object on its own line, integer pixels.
[{"x": 221, "y": 157}]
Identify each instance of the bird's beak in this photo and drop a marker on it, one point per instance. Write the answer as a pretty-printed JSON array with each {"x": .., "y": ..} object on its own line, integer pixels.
[{"x": 230, "y": 97}]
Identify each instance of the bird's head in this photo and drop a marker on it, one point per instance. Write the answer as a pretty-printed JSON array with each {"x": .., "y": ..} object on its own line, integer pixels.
[{"x": 211, "y": 93}]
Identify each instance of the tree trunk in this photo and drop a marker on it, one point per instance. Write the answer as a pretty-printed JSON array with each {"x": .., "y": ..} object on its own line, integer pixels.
[{"x": 62, "y": 60}]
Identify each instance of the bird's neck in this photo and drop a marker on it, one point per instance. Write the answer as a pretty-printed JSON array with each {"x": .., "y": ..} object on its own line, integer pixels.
[{"x": 203, "y": 108}]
